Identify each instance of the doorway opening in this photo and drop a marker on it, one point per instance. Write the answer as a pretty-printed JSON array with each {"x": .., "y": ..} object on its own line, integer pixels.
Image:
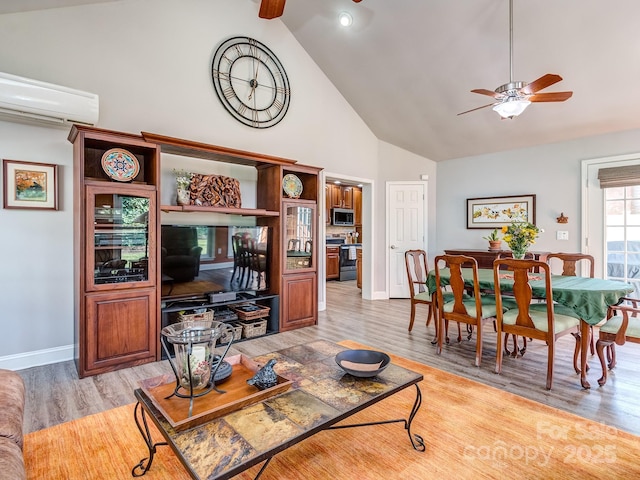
[{"x": 346, "y": 234}]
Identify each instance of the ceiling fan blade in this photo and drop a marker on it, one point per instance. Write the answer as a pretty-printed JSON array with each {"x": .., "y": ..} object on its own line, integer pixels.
[
  {"x": 542, "y": 82},
  {"x": 478, "y": 108},
  {"x": 271, "y": 8},
  {"x": 491, "y": 93},
  {"x": 550, "y": 97}
]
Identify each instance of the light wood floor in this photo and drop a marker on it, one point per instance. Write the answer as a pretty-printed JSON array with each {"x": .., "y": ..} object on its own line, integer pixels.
[{"x": 56, "y": 394}]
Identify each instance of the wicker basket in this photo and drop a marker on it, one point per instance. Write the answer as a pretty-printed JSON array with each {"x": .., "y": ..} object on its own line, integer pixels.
[
  {"x": 237, "y": 333},
  {"x": 206, "y": 316},
  {"x": 254, "y": 328},
  {"x": 250, "y": 311}
]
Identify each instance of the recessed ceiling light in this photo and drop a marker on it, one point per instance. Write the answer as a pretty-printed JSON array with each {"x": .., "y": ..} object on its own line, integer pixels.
[
  {"x": 345, "y": 19},
  {"x": 337, "y": 182}
]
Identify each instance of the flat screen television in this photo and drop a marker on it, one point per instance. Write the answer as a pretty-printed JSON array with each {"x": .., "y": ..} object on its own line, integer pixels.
[{"x": 199, "y": 260}]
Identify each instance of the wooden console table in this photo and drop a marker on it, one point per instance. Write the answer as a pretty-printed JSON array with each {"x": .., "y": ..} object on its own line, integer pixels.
[
  {"x": 485, "y": 258},
  {"x": 318, "y": 399}
]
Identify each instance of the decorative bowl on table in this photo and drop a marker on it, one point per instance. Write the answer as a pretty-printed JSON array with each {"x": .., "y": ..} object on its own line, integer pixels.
[{"x": 363, "y": 363}]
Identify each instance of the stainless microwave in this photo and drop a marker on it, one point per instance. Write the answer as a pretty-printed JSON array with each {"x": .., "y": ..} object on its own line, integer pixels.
[{"x": 342, "y": 216}]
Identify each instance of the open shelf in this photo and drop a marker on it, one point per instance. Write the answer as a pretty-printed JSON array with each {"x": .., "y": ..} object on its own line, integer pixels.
[{"x": 254, "y": 212}]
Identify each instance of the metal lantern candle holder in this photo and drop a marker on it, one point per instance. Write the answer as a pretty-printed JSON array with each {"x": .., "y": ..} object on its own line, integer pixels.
[{"x": 195, "y": 364}]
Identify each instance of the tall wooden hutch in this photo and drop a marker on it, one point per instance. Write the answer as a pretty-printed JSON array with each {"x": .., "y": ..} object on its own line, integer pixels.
[
  {"x": 117, "y": 280},
  {"x": 116, "y": 271}
]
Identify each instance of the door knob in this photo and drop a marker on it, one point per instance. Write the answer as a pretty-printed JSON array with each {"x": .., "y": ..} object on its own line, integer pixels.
[{"x": 393, "y": 247}]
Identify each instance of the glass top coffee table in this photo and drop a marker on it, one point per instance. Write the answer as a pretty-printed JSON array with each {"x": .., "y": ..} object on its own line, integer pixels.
[{"x": 321, "y": 395}]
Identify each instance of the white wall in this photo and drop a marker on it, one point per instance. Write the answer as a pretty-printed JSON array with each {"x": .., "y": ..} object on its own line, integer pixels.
[
  {"x": 149, "y": 61},
  {"x": 398, "y": 165},
  {"x": 552, "y": 172}
]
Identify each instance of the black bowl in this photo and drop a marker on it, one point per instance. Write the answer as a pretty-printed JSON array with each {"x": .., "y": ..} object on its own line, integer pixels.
[{"x": 363, "y": 363}]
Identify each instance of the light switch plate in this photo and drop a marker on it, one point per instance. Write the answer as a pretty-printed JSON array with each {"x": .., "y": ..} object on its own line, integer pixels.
[{"x": 562, "y": 235}]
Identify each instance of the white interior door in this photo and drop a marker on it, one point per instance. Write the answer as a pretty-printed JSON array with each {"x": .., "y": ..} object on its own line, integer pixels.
[{"x": 406, "y": 227}]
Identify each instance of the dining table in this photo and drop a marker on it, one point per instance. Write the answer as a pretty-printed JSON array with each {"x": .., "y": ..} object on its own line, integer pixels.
[{"x": 589, "y": 298}]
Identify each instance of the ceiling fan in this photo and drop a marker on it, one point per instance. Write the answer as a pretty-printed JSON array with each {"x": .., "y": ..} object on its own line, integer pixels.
[
  {"x": 514, "y": 97},
  {"x": 273, "y": 8}
]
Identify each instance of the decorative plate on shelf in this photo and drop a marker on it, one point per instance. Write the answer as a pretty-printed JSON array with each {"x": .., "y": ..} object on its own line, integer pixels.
[
  {"x": 292, "y": 185},
  {"x": 120, "y": 165}
]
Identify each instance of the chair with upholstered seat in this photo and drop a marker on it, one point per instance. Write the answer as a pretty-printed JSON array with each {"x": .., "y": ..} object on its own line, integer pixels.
[
  {"x": 472, "y": 310},
  {"x": 544, "y": 321},
  {"x": 617, "y": 330},
  {"x": 569, "y": 262},
  {"x": 417, "y": 270}
]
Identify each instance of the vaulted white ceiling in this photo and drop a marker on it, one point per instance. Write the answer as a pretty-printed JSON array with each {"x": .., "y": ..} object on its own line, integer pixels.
[{"x": 407, "y": 66}]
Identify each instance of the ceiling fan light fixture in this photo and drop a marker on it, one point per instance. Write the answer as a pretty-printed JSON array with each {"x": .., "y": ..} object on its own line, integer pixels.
[
  {"x": 511, "y": 107},
  {"x": 346, "y": 20}
]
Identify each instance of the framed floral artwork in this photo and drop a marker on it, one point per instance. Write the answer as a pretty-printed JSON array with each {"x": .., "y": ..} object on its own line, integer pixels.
[
  {"x": 495, "y": 212},
  {"x": 30, "y": 185}
]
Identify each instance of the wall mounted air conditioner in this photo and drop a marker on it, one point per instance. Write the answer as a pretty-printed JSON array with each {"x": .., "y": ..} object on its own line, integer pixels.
[{"x": 23, "y": 99}]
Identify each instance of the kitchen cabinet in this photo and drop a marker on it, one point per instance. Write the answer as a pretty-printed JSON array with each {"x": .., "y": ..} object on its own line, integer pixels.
[
  {"x": 333, "y": 263},
  {"x": 341, "y": 196},
  {"x": 359, "y": 268},
  {"x": 327, "y": 203},
  {"x": 357, "y": 206}
]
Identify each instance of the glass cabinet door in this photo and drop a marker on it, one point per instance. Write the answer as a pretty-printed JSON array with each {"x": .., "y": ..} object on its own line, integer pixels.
[
  {"x": 119, "y": 238},
  {"x": 298, "y": 236}
]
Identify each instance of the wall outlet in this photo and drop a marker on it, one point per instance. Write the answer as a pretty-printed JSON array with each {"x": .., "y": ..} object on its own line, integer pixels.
[{"x": 562, "y": 235}]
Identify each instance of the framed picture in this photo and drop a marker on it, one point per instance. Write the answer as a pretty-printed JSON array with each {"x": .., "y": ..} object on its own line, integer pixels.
[
  {"x": 30, "y": 185},
  {"x": 495, "y": 212}
]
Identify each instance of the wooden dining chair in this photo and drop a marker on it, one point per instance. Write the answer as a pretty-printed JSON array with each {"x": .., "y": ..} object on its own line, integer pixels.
[
  {"x": 617, "y": 330},
  {"x": 544, "y": 321},
  {"x": 569, "y": 262},
  {"x": 417, "y": 270},
  {"x": 516, "y": 347},
  {"x": 472, "y": 310}
]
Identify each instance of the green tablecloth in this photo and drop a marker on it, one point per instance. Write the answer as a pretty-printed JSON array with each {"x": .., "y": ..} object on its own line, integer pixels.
[{"x": 588, "y": 297}]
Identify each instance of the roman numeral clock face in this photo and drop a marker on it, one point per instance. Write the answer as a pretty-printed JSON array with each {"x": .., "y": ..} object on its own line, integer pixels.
[{"x": 250, "y": 82}]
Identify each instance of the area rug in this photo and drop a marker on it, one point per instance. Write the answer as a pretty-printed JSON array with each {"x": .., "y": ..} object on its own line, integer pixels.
[{"x": 471, "y": 431}]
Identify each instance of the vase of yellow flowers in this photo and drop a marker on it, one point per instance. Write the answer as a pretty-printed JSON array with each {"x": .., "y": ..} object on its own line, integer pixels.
[{"x": 520, "y": 236}]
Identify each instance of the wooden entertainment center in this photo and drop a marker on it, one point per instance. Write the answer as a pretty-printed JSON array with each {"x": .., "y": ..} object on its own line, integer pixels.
[{"x": 117, "y": 272}]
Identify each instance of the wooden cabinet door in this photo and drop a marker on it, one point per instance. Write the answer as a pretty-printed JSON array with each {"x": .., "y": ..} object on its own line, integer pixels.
[
  {"x": 120, "y": 228},
  {"x": 336, "y": 196},
  {"x": 299, "y": 301},
  {"x": 333, "y": 263},
  {"x": 298, "y": 235},
  {"x": 119, "y": 330},
  {"x": 327, "y": 201},
  {"x": 357, "y": 206},
  {"x": 347, "y": 197}
]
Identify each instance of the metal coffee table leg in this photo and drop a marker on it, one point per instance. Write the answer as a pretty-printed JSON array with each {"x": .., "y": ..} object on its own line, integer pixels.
[
  {"x": 141, "y": 421},
  {"x": 416, "y": 440}
]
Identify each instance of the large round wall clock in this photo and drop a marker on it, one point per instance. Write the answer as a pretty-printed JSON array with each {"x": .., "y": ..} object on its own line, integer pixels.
[{"x": 251, "y": 83}]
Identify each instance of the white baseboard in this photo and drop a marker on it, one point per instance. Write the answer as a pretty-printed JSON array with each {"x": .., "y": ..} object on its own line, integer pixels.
[
  {"x": 21, "y": 361},
  {"x": 380, "y": 295}
]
